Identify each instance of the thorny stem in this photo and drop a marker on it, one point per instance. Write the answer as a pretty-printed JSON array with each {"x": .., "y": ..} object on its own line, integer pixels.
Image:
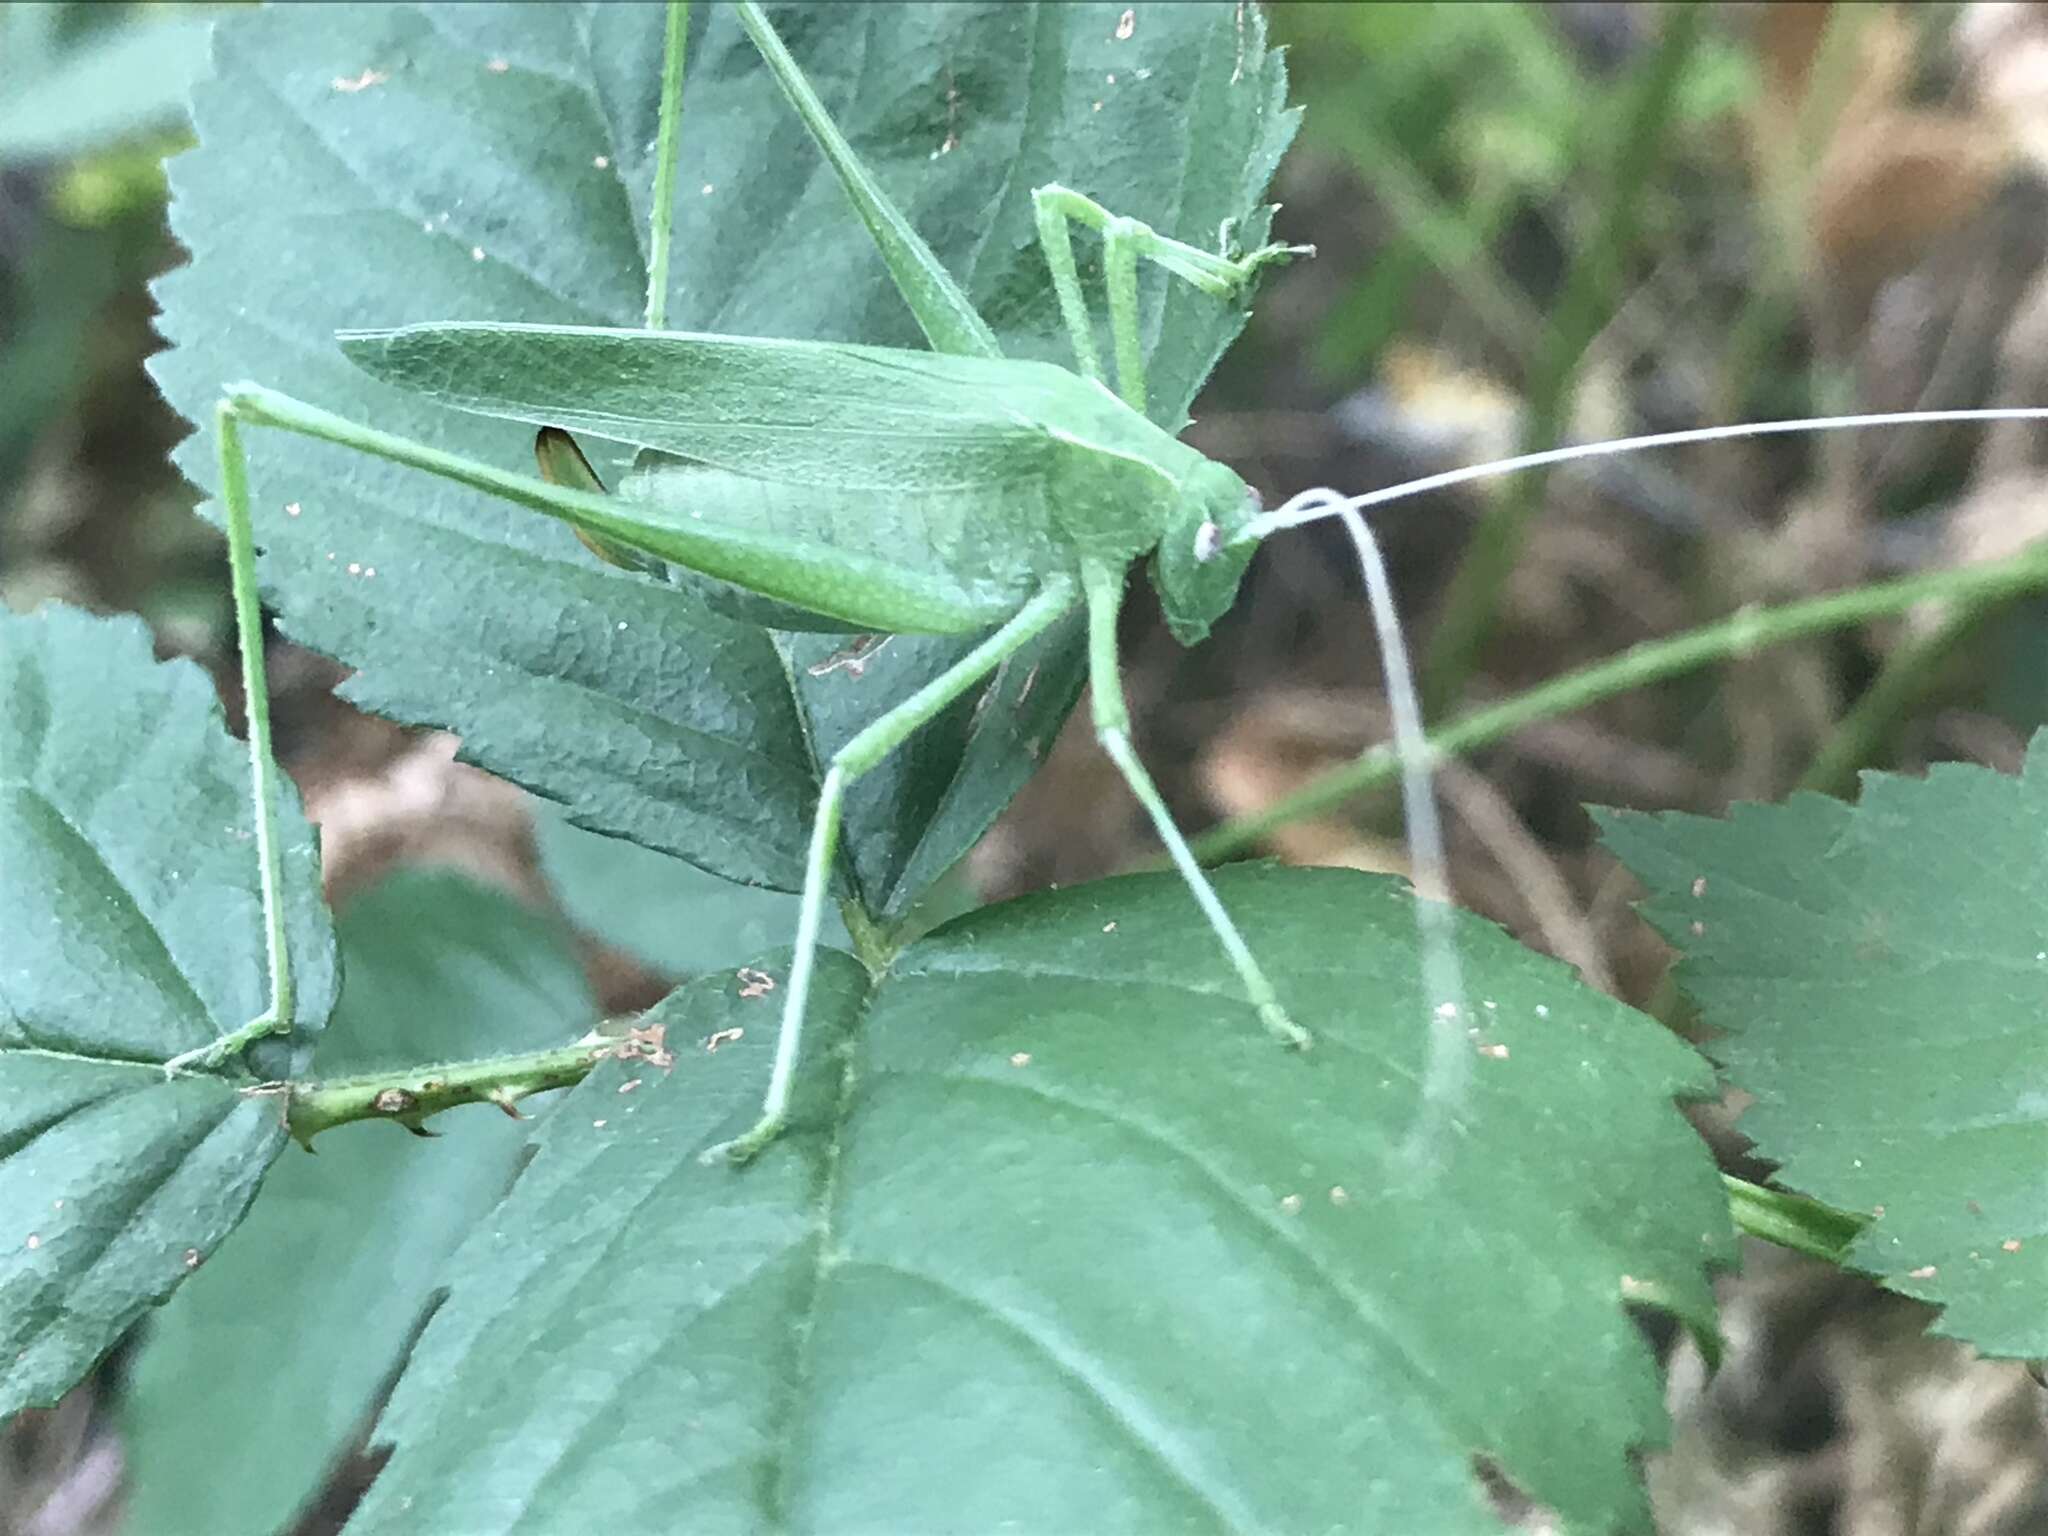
[
  {"x": 410, "y": 1095},
  {"x": 662, "y": 216},
  {"x": 1792, "y": 1221},
  {"x": 1742, "y": 633}
]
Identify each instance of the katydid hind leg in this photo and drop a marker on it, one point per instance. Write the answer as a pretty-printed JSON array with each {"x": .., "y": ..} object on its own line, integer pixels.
[
  {"x": 1112, "y": 730},
  {"x": 943, "y": 311},
  {"x": 864, "y": 752},
  {"x": 276, "y": 1018}
]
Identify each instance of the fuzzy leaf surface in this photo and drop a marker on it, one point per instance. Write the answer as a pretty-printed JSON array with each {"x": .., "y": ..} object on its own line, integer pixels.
[
  {"x": 1060, "y": 1240},
  {"x": 492, "y": 162},
  {"x": 131, "y": 928},
  {"x": 1878, "y": 974}
]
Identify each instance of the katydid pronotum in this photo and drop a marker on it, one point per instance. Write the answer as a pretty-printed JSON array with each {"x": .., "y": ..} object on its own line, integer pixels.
[{"x": 1019, "y": 491}]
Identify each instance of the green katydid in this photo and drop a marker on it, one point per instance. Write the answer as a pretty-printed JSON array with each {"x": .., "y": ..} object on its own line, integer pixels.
[
  {"x": 789, "y": 447},
  {"x": 1011, "y": 493}
]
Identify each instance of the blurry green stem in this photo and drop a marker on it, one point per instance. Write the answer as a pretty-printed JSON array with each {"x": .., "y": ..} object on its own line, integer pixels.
[
  {"x": 1746, "y": 631},
  {"x": 1792, "y": 1221},
  {"x": 1589, "y": 297},
  {"x": 1906, "y": 675},
  {"x": 1454, "y": 239},
  {"x": 661, "y": 217}
]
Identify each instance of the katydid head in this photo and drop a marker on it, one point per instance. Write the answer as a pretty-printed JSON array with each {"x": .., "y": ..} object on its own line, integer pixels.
[{"x": 1202, "y": 556}]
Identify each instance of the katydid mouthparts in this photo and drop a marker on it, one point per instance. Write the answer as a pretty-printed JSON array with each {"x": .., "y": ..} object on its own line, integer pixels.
[{"x": 839, "y": 487}]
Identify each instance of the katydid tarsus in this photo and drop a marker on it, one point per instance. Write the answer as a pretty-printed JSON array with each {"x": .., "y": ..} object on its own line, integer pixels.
[{"x": 1016, "y": 492}]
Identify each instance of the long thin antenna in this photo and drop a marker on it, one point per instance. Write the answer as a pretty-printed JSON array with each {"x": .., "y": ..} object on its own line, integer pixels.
[
  {"x": 1443, "y": 974},
  {"x": 1310, "y": 506}
]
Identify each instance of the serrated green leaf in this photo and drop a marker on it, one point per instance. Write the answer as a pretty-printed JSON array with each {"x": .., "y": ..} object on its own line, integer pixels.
[
  {"x": 262, "y": 1367},
  {"x": 131, "y": 929},
  {"x": 1878, "y": 975},
  {"x": 493, "y": 163},
  {"x": 1059, "y": 1240}
]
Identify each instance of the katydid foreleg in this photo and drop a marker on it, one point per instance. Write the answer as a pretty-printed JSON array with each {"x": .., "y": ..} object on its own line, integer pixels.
[
  {"x": 858, "y": 756},
  {"x": 1124, "y": 241}
]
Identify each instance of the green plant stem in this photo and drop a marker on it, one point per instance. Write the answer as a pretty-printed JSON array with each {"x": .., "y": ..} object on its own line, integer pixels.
[
  {"x": 1904, "y": 679},
  {"x": 1792, "y": 1221},
  {"x": 1740, "y": 634},
  {"x": 1588, "y": 300},
  {"x": 662, "y": 215},
  {"x": 409, "y": 1096}
]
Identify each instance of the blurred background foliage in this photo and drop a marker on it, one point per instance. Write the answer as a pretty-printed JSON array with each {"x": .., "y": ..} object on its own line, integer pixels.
[
  {"x": 1536, "y": 224},
  {"x": 91, "y": 101}
]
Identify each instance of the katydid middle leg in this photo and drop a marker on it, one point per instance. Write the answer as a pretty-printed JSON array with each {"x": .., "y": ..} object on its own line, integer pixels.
[
  {"x": 857, "y": 757},
  {"x": 1103, "y": 586}
]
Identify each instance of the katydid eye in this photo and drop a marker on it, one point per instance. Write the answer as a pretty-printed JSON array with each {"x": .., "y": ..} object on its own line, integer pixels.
[{"x": 1208, "y": 542}]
